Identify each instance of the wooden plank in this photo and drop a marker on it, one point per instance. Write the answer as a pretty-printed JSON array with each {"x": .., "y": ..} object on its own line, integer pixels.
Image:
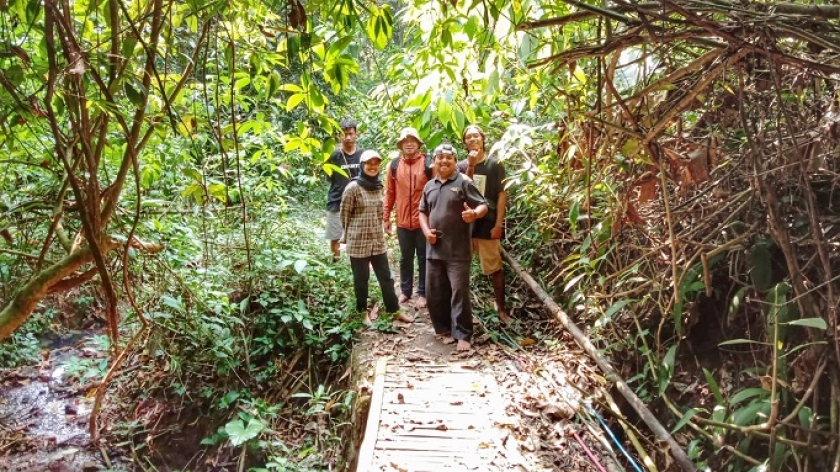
[
  {"x": 442, "y": 446},
  {"x": 405, "y": 456},
  {"x": 374, "y": 413}
]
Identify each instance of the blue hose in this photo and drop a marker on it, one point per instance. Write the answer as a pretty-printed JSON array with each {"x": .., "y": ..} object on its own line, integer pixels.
[{"x": 612, "y": 436}]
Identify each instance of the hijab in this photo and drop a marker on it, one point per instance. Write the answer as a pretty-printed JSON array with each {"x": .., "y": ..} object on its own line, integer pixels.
[{"x": 367, "y": 182}]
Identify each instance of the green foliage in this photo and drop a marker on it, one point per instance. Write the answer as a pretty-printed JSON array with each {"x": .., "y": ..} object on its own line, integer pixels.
[{"x": 24, "y": 347}]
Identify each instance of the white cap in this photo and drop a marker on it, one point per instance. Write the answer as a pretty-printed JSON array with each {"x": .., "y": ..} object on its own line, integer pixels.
[{"x": 368, "y": 155}]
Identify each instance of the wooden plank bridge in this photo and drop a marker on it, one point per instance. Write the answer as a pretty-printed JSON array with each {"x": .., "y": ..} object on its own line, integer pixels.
[{"x": 431, "y": 417}]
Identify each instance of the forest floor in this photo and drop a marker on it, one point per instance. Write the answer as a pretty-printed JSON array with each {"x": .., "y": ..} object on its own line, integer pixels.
[{"x": 534, "y": 418}]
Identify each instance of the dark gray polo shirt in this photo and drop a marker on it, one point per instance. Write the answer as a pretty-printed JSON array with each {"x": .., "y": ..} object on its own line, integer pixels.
[{"x": 443, "y": 202}]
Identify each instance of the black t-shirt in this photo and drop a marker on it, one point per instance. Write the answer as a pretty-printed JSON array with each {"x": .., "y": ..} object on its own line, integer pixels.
[
  {"x": 443, "y": 202},
  {"x": 350, "y": 164},
  {"x": 488, "y": 176}
]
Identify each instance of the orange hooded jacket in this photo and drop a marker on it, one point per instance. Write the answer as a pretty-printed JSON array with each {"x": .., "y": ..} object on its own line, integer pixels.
[{"x": 405, "y": 191}]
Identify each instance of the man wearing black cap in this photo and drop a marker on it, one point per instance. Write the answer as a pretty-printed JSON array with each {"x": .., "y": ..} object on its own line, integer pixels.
[{"x": 450, "y": 203}]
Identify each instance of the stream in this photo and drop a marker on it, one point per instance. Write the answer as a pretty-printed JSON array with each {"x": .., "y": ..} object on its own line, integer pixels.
[{"x": 44, "y": 411}]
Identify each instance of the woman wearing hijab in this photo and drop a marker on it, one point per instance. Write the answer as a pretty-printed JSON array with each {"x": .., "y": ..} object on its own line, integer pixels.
[{"x": 361, "y": 218}]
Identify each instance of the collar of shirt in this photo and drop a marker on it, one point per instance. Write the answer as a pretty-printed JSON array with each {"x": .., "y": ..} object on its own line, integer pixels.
[{"x": 454, "y": 176}]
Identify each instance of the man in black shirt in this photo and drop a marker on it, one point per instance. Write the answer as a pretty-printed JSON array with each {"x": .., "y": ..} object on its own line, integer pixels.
[
  {"x": 449, "y": 204},
  {"x": 345, "y": 157},
  {"x": 489, "y": 175}
]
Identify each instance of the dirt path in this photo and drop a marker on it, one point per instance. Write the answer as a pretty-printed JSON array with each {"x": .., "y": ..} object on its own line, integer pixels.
[{"x": 501, "y": 409}]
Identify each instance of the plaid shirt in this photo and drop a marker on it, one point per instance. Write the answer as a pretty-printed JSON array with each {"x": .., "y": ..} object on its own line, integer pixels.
[{"x": 361, "y": 218}]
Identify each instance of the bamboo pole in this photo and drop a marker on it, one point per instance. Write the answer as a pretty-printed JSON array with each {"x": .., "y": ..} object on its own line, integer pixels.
[{"x": 609, "y": 372}]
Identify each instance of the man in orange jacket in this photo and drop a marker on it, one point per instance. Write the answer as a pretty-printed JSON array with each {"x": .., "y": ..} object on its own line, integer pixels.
[{"x": 404, "y": 189}]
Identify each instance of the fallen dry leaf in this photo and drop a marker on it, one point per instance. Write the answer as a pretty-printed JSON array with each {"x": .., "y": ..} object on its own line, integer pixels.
[{"x": 527, "y": 342}]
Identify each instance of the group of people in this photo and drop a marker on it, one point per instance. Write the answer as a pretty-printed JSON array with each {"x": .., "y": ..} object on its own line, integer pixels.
[{"x": 444, "y": 209}]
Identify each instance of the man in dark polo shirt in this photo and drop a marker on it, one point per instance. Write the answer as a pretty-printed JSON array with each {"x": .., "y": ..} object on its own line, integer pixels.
[{"x": 449, "y": 204}]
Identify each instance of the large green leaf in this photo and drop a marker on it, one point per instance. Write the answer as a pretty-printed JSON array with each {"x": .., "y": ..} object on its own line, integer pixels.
[
  {"x": 239, "y": 432},
  {"x": 761, "y": 271},
  {"x": 380, "y": 26}
]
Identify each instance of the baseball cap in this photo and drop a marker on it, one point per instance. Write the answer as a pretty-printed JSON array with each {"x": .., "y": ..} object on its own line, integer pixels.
[
  {"x": 445, "y": 148},
  {"x": 408, "y": 132},
  {"x": 368, "y": 155}
]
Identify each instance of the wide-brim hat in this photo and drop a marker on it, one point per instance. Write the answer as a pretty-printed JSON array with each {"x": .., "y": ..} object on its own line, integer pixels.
[
  {"x": 368, "y": 155},
  {"x": 406, "y": 133}
]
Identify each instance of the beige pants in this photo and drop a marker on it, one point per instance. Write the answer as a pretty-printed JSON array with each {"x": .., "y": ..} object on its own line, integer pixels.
[{"x": 489, "y": 253}]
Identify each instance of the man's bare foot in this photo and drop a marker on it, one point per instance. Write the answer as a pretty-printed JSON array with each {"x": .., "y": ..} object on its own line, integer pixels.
[
  {"x": 445, "y": 338},
  {"x": 367, "y": 319},
  {"x": 403, "y": 298},
  {"x": 463, "y": 345},
  {"x": 504, "y": 317},
  {"x": 448, "y": 341},
  {"x": 400, "y": 316},
  {"x": 421, "y": 303}
]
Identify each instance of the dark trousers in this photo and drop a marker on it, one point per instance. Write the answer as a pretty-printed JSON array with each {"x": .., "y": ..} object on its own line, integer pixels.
[
  {"x": 449, "y": 297},
  {"x": 412, "y": 243},
  {"x": 361, "y": 275}
]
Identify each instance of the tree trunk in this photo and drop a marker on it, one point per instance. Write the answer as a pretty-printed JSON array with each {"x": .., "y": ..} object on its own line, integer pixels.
[{"x": 20, "y": 307}]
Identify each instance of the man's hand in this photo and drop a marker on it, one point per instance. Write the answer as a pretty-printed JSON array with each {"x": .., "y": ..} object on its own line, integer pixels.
[
  {"x": 496, "y": 232},
  {"x": 469, "y": 215},
  {"x": 386, "y": 225},
  {"x": 472, "y": 157},
  {"x": 431, "y": 236}
]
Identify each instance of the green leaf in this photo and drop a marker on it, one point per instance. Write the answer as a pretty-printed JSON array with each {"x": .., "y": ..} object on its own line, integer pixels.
[
  {"x": 337, "y": 47},
  {"x": 379, "y": 26},
  {"x": 273, "y": 84},
  {"x": 685, "y": 419},
  {"x": 294, "y": 100},
  {"x": 492, "y": 86},
  {"x": 239, "y": 432},
  {"x": 173, "y": 303},
  {"x": 574, "y": 212},
  {"x": 713, "y": 386},
  {"x": 816, "y": 323},
  {"x": 748, "y": 393},
  {"x": 742, "y": 341},
  {"x": 33, "y": 9},
  {"x": 751, "y": 413},
  {"x": 571, "y": 283},
  {"x": 736, "y": 304},
  {"x": 134, "y": 96},
  {"x": 667, "y": 370},
  {"x": 127, "y": 48},
  {"x": 291, "y": 88},
  {"x": 805, "y": 415},
  {"x": 300, "y": 265},
  {"x": 760, "y": 269},
  {"x": 615, "y": 307}
]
